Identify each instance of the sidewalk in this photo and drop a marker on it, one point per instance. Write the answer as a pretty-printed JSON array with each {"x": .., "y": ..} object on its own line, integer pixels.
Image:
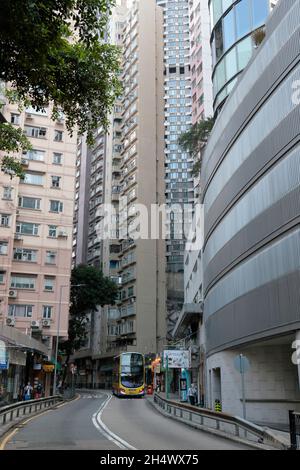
[{"x": 281, "y": 437}]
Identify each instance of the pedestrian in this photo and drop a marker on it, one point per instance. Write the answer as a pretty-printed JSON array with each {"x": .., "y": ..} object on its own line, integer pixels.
[
  {"x": 192, "y": 394},
  {"x": 38, "y": 390},
  {"x": 59, "y": 387},
  {"x": 158, "y": 385},
  {"x": 28, "y": 391}
]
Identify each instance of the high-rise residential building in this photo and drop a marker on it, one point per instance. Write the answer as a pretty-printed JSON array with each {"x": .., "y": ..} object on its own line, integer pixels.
[
  {"x": 126, "y": 164},
  {"x": 232, "y": 26},
  {"x": 36, "y": 228},
  {"x": 201, "y": 62},
  {"x": 178, "y": 118},
  {"x": 251, "y": 274},
  {"x": 98, "y": 183}
]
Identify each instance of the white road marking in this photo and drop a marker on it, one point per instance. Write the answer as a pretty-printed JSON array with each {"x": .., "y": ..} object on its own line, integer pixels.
[{"x": 103, "y": 429}]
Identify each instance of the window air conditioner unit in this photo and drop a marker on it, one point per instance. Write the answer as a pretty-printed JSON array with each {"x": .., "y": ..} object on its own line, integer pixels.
[
  {"x": 46, "y": 323},
  {"x": 29, "y": 116},
  {"x": 12, "y": 294},
  {"x": 24, "y": 162},
  {"x": 62, "y": 234},
  {"x": 35, "y": 324},
  {"x": 18, "y": 236},
  {"x": 10, "y": 321}
]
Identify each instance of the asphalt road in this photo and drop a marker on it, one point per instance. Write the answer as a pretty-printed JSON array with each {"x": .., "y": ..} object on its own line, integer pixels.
[{"x": 96, "y": 422}]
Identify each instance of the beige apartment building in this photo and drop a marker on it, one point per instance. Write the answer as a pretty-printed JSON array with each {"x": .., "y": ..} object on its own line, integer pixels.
[
  {"x": 36, "y": 228},
  {"x": 127, "y": 164}
]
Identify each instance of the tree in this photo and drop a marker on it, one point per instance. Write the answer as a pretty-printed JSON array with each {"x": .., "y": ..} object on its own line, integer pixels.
[
  {"x": 55, "y": 51},
  {"x": 12, "y": 140},
  {"x": 195, "y": 139},
  {"x": 89, "y": 289}
]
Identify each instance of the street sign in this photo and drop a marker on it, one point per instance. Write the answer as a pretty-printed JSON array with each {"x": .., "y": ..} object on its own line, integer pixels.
[{"x": 242, "y": 365}]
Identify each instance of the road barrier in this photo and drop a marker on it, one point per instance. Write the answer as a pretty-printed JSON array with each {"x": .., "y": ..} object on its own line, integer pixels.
[
  {"x": 295, "y": 429},
  {"x": 218, "y": 422},
  {"x": 16, "y": 410}
]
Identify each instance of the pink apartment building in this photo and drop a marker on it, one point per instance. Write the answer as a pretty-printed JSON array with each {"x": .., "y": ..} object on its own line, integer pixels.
[{"x": 36, "y": 229}]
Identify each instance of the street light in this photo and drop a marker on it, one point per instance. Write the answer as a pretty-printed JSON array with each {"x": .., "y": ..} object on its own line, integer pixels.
[{"x": 57, "y": 334}]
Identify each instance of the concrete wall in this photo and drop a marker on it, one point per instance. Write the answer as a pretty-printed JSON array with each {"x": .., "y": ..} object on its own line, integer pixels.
[{"x": 271, "y": 384}]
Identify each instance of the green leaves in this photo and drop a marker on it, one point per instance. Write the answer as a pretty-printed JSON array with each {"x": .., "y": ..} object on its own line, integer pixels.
[
  {"x": 195, "y": 139},
  {"x": 12, "y": 140},
  {"x": 89, "y": 289},
  {"x": 54, "y": 51}
]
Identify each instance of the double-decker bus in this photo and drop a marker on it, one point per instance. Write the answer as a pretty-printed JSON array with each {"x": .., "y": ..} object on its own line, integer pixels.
[{"x": 129, "y": 375}]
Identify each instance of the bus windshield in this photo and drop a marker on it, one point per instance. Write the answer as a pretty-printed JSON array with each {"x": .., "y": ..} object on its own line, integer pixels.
[{"x": 132, "y": 370}]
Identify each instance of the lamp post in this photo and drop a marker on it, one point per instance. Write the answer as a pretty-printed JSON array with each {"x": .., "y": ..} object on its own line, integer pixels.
[{"x": 57, "y": 334}]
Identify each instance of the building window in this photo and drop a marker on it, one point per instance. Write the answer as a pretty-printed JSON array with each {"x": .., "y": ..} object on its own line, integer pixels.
[
  {"x": 3, "y": 248},
  {"x": 27, "y": 228},
  {"x": 57, "y": 158},
  {"x": 2, "y": 274},
  {"x": 29, "y": 202},
  {"x": 22, "y": 282},
  {"x": 52, "y": 231},
  {"x": 7, "y": 192},
  {"x": 24, "y": 311},
  {"x": 55, "y": 181},
  {"x": 15, "y": 119},
  {"x": 49, "y": 284},
  {"x": 58, "y": 136},
  {"x": 50, "y": 257},
  {"x": 4, "y": 220},
  {"x": 35, "y": 155},
  {"x": 47, "y": 312},
  {"x": 33, "y": 178},
  {"x": 37, "y": 132},
  {"x": 23, "y": 254},
  {"x": 56, "y": 206}
]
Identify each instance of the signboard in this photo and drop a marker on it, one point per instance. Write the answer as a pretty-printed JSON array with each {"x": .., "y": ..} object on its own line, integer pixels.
[
  {"x": 4, "y": 362},
  {"x": 48, "y": 367},
  {"x": 177, "y": 359}
]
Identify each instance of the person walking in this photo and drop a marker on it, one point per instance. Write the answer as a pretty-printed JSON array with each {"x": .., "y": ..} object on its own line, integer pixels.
[
  {"x": 28, "y": 391},
  {"x": 38, "y": 390},
  {"x": 192, "y": 394}
]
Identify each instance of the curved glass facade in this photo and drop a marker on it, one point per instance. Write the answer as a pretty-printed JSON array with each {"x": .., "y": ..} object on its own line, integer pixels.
[
  {"x": 231, "y": 40},
  {"x": 251, "y": 181}
]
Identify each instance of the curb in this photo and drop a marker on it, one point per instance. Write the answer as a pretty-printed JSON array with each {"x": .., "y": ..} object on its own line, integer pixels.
[{"x": 214, "y": 432}]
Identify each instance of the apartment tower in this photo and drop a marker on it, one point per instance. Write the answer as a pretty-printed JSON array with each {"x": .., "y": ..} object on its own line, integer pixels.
[
  {"x": 126, "y": 165},
  {"x": 36, "y": 228}
]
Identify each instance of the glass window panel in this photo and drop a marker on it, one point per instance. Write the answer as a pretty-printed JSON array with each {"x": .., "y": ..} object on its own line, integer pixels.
[
  {"x": 219, "y": 41},
  {"x": 226, "y": 4},
  {"x": 260, "y": 12},
  {"x": 229, "y": 30},
  {"x": 231, "y": 64},
  {"x": 242, "y": 15},
  {"x": 217, "y": 10},
  {"x": 244, "y": 52},
  {"x": 220, "y": 71}
]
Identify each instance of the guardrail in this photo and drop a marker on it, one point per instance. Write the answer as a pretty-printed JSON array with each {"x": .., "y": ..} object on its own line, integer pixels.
[
  {"x": 295, "y": 429},
  {"x": 16, "y": 410},
  {"x": 218, "y": 421}
]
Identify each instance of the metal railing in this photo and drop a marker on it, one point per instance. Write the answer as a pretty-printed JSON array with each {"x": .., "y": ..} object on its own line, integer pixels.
[
  {"x": 203, "y": 418},
  {"x": 295, "y": 429},
  {"x": 16, "y": 410}
]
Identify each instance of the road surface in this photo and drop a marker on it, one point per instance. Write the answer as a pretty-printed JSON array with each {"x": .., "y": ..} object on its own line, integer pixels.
[{"x": 97, "y": 421}]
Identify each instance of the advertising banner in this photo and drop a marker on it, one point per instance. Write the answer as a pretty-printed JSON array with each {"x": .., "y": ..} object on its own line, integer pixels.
[
  {"x": 177, "y": 359},
  {"x": 4, "y": 362}
]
